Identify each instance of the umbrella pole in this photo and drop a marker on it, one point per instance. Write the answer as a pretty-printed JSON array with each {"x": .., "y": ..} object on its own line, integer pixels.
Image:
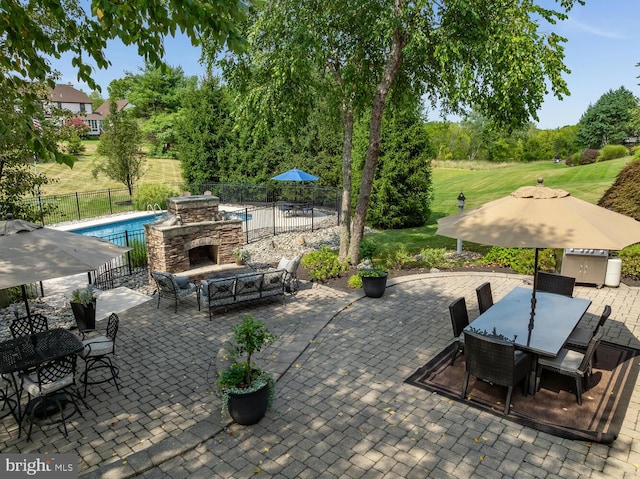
[
  {"x": 535, "y": 286},
  {"x": 26, "y": 300}
]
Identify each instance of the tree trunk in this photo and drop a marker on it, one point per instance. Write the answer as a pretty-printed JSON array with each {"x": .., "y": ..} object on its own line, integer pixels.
[
  {"x": 373, "y": 151},
  {"x": 345, "y": 207}
]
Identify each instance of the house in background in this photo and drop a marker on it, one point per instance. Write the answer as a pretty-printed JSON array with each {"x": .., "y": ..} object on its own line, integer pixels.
[{"x": 66, "y": 97}]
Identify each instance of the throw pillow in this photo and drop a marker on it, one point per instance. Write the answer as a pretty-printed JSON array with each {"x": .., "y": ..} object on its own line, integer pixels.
[
  {"x": 183, "y": 281},
  {"x": 284, "y": 263}
]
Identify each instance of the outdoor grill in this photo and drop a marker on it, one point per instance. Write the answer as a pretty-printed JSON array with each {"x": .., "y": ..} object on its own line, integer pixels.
[{"x": 585, "y": 265}]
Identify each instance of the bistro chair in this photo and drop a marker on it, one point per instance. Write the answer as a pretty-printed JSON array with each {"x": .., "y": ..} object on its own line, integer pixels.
[
  {"x": 52, "y": 384},
  {"x": 97, "y": 353},
  {"x": 573, "y": 364},
  {"x": 172, "y": 286},
  {"x": 555, "y": 283},
  {"x": 485, "y": 299},
  {"x": 7, "y": 400},
  {"x": 459, "y": 321},
  {"x": 580, "y": 337},
  {"x": 496, "y": 361},
  {"x": 28, "y": 325}
]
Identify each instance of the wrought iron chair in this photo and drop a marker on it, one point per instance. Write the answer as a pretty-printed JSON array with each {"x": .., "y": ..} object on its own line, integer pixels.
[
  {"x": 97, "y": 353},
  {"x": 580, "y": 337},
  {"x": 28, "y": 325},
  {"x": 485, "y": 298},
  {"x": 7, "y": 400},
  {"x": 52, "y": 384},
  {"x": 497, "y": 361},
  {"x": 555, "y": 283},
  {"x": 171, "y": 286},
  {"x": 573, "y": 364},
  {"x": 459, "y": 321}
]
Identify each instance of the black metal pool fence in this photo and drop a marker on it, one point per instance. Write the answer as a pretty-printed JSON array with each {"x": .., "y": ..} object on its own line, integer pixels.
[
  {"x": 51, "y": 209},
  {"x": 263, "y": 214}
]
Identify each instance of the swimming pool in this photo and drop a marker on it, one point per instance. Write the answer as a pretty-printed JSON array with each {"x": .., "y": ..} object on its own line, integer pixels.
[{"x": 116, "y": 227}]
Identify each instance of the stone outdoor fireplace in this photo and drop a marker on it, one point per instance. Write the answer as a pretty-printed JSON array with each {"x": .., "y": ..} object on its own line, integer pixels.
[{"x": 192, "y": 238}]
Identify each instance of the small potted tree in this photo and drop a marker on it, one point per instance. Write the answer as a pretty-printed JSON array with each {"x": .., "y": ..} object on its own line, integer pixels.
[
  {"x": 374, "y": 279},
  {"x": 247, "y": 391},
  {"x": 83, "y": 305}
]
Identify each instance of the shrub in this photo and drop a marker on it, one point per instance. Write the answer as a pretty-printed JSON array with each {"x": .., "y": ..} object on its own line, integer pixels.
[
  {"x": 630, "y": 257},
  {"x": 355, "y": 281},
  {"x": 611, "y": 152},
  {"x": 323, "y": 264},
  {"x": 138, "y": 253},
  {"x": 367, "y": 249},
  {"x": 521, "y": 260},
  {"x": 433, "y": 257},
  {"x": 588, "y": 156},
  {"x": 75, "y": 145},
  {"x": 400, "y": 258},
  {"x": 152, "y": 194}
]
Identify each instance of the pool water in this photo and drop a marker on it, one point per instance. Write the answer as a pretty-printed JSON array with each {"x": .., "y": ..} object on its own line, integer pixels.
[{"x": 116, "y": 227}]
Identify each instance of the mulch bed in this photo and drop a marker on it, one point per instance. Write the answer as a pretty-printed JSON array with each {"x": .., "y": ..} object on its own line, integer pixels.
[{"x": 341, "y": 282}]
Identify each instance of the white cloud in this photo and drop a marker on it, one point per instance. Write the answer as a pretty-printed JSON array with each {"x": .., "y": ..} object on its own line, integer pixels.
[{"x": 613, "y": 34}]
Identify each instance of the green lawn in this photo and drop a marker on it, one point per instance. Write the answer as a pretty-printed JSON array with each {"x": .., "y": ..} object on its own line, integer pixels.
[{"x": 486, "y": 183}]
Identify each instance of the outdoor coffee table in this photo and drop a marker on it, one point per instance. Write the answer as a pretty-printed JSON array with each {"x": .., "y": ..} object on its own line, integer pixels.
[{"x": 555, "y": 318}]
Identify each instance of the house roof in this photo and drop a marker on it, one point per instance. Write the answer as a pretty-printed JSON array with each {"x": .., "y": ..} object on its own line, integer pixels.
[
  {"x": 104, "y": 108},
  {"x": 65, "y": 93}
]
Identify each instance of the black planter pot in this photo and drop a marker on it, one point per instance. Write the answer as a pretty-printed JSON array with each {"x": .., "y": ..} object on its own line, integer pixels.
[
  {"x": 374, "y": 286},
  {"x": 85, "y": 315},
  {"x": 247, "y": 409}
]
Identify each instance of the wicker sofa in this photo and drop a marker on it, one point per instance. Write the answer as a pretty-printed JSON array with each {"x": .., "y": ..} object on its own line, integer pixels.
[{"x": 242, "y": 287}]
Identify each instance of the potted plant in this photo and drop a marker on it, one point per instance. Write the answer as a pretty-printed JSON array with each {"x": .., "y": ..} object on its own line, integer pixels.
[
  {"x": 374, "y": 279},
  {"x": 83, "y": 305},
  {"x": 247, "y": 391},
  {"x": 241, "y": 256}
]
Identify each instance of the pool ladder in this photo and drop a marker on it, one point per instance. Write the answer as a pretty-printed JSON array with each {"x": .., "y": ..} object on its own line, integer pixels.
[{"x": 152, "y": 207}]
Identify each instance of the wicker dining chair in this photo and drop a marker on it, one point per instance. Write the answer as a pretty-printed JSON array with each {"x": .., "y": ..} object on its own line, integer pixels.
[
  {"x": 496, "y": 361},
  {"x": 573, "y": 364},
  {"x": 580, "y": 337},
  {"x": 485, "y": 298},
  {"x": 459, "y": 321},
  {"x": 555, "y": 283}
]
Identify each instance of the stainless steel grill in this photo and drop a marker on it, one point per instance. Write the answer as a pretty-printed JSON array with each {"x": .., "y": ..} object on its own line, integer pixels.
[
  {"x": 586, "y": 265},
  {"x": 587, "y": 252}
]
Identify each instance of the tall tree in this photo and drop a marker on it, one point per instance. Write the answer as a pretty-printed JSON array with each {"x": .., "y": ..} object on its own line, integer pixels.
[
  {"x": 120, "y": 144},
  {"x": 33, "y": 31},
  {"x": 609, "y": 120},
  {"x": 491, "y": 54}
]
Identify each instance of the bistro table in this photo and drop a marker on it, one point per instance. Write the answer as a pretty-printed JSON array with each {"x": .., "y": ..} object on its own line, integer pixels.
[
  {"x": 555, "y": 318},
  {"x": 28, "y": 352}
]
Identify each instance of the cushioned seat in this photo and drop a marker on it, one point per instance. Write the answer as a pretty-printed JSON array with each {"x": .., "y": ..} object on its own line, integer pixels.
[
  {"x": 97, "y": 352},
  {"x": 172, "y": 286}
]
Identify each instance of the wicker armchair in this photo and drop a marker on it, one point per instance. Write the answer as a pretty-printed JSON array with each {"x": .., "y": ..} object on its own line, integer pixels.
[
  {"x": 573, "y": 364},
  {"x": 485, "y": 298},
  {"x": 496, "y": 361},
  {"x": 580, "y": 337},
  {"x": 459, "y": 321},
  {"x": 555, "y": 283}
]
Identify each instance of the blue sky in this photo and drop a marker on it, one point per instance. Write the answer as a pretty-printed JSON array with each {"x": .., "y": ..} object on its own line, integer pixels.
[{"x": 601, "y": 52}]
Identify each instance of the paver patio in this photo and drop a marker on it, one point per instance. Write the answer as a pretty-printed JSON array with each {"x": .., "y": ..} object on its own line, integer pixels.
[{"x": 342, "y": 409}]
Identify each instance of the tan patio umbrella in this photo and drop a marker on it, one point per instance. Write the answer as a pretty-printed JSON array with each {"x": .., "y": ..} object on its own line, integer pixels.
[
  {"x": 542, "y": 217},
  {"x": 31, "y": 253}
]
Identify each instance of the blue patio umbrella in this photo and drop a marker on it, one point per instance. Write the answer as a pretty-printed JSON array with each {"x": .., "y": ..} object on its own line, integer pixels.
[{"x": 295, "y": 174}]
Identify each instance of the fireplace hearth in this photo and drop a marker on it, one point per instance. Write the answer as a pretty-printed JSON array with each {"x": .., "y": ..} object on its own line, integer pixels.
[{"x": 192, "y": 238}]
